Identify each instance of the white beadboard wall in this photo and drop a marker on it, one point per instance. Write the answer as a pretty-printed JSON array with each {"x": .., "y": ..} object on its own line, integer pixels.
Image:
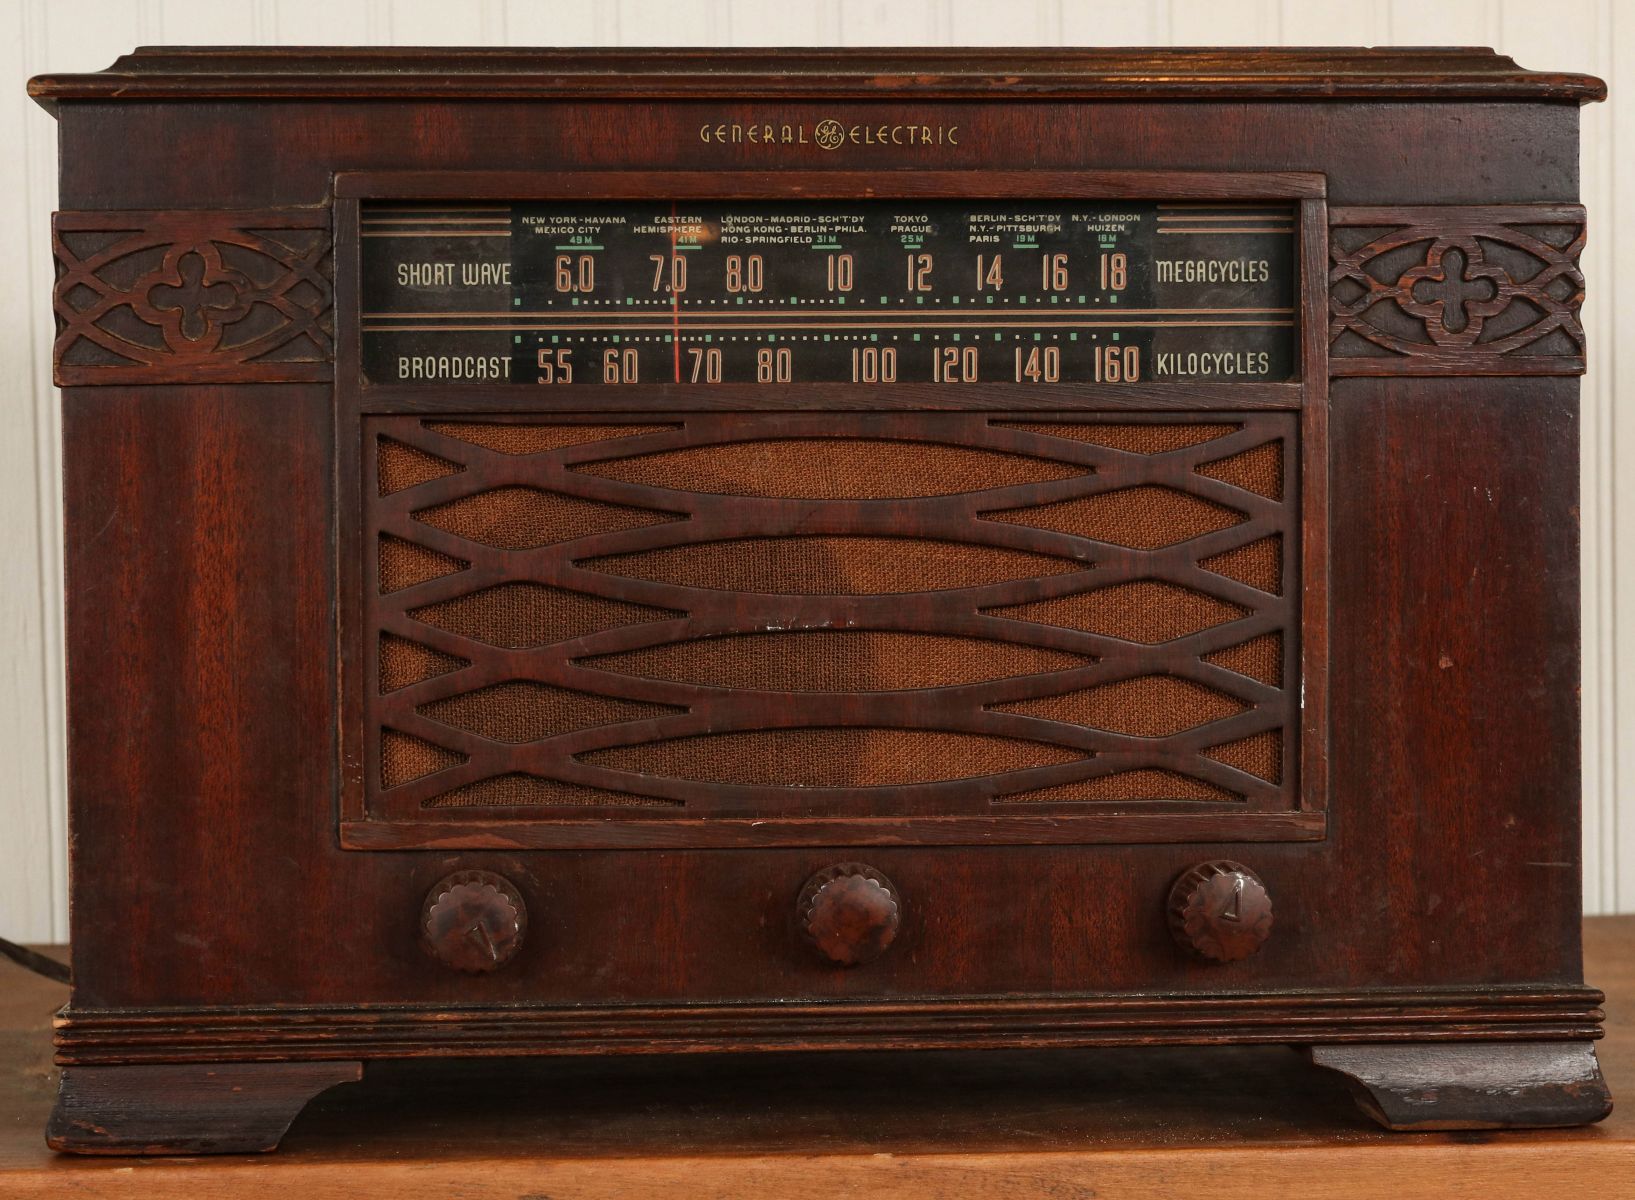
[{"x": 81, "y": 35}]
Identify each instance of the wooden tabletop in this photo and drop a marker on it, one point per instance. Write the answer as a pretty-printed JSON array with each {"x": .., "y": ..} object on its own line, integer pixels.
[{"x": 1215, "y": 1123}]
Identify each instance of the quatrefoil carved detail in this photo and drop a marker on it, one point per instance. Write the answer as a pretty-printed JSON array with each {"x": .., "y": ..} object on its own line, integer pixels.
[
  {"x": 188, "y": 296},
  {"x": 1456, "y": 290},
  {"x": 199, "y": 297}
]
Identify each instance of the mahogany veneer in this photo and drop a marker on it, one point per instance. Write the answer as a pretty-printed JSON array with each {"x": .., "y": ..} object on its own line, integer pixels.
[{"x": 1098, "y": 710}]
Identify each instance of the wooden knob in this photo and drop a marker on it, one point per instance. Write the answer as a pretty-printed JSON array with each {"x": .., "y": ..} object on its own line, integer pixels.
[
  {"x": 1220, "y": 910},
  {"x": 850, "y": 913},
  {"x": 473, "y": 921}
]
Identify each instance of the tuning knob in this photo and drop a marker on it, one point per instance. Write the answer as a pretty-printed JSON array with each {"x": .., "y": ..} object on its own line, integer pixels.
[
  {"x": 473, "y": 921},
  {"x": 1220, "y": 910},
  {"x": 849, "y": 913}
]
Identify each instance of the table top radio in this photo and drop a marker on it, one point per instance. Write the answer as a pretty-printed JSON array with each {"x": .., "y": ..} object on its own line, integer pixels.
[{"x": 605, "y": 552}]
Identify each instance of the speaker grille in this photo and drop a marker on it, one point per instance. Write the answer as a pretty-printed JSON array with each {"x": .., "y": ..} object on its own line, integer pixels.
[
  {"x": 1150, "y": 706},
  {"x": 1260, "y": 659},
  {"x": 837, "y": 661},
  {"x": 1144, "y": 518},
  {"x": 518, "y": 615},
  {"x": 404, "y": 758},
  {"x": 1260, "y": 755},
  {"x": 1155, "y": 438},
  {"x": 521, "y": 518},
  {"x": 525, "y": 711},
  {"x": 1259, "y": 470},
  {"x": 833, "y": 566},
  {"x": 833, "y": 469},
  {"x": 832, "y": 758},
  {"x": 527, "y": 438},
  {"x": 409, "y": 466},
  {"x": 519, "y": 790},
  {"x": 1258, "y": 564},
  {"x": 1148, "y": 610},
  {"x": 1147, "y": 784},
  {"x": 404, "y": 564},
  {"x": 916, "y": 614},
  {"x": 403, "y": 662}
]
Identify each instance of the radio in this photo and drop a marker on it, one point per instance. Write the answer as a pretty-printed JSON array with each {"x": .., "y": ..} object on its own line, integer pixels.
[{"x": 611, "y": 552}]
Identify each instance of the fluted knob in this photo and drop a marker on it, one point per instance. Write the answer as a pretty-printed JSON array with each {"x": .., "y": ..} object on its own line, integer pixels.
[
  {"x": 849, "y": 913},
  {"x": 1220, "y": 910},
  {"x": 473, "y": 921}
]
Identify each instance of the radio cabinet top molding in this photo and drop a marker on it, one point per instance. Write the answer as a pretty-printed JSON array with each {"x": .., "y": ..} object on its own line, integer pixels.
[
  {"x": 409, "y": 73},
  {"x": 673, "y": 551}
]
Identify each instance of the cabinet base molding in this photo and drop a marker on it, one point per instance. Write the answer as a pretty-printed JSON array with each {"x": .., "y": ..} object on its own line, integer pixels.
[
  {"x": 1509, "y": 1085},
  {"x": 245, "y": 1107},
  {"x": 186, "y": 1108},
  {"x": 110, "y": 1036}
]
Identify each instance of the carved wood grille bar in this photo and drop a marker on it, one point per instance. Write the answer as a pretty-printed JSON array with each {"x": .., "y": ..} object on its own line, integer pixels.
[{"x": 829, "y": 616}]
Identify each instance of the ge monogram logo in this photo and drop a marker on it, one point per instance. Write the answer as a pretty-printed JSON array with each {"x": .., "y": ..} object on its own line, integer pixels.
[{"x": 829, "y": 135}]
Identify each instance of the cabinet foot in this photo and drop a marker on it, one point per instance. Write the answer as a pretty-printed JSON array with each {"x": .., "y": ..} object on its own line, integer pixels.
[
  {"x": 1472, "y": 1085},
  {"x": 186, "y": 1108}
]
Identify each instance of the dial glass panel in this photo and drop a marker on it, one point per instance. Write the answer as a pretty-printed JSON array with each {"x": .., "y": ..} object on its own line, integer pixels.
[{"x": 873, "y": 292}]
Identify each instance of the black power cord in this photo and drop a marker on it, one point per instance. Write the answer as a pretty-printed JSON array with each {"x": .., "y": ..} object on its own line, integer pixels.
[{"x": 38, "y": 963}]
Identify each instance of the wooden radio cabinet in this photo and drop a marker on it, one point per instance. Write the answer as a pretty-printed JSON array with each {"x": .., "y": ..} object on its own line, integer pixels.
[{"x": 627, "y": 552}]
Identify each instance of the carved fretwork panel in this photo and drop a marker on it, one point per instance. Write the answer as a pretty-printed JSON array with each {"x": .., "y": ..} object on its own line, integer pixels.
[
  {"x": 832, "y": 618},
  {"x": 190, "y": 297},
  {"x": 1452, "y": 290}
]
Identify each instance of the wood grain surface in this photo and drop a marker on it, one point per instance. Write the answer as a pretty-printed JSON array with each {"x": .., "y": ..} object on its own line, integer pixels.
[
  {"x": 204, "y": 72},
  {"x": 203, "y": 590},
  {"x": 1234, "y": 1122},
  {"x": 1443, "y": 769}
]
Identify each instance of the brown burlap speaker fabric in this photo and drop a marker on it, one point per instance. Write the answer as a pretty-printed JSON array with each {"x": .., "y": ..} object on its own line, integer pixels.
[
  {"x": 403, "y": 662},
  {"x": 1138, "y": 439},
  {"x": 1259, "y": 564},
  {"x": 1259, "y": 470},
  {"x": 535, "y": 439},
  {"x": 404, "y": 758},
  {"x": 836, "y": 757},
  {"x": 523, "y": 710},
  {"x": 1259, "y": 658},
  {"x": 1147, "y": 611},
  {"x": 837, "y": 661},
  {"x": 516, "y": 790},
  {"x": 403, "y": 466},
  {"x": 1147, "y": 706},
  {"x": 1143, "y": 784},
  {"x": 1144, "y": 517},
  {"x": 815, "y": 565},
  {"x": 523, "y": 613},
  {"x": 834, "y": 469},
  {"x": 404, "y": 564},
  {"x": 514, "y": 615},
  {"x": 1260, "y": 755},
  {"x": 521, "y": 518}
]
